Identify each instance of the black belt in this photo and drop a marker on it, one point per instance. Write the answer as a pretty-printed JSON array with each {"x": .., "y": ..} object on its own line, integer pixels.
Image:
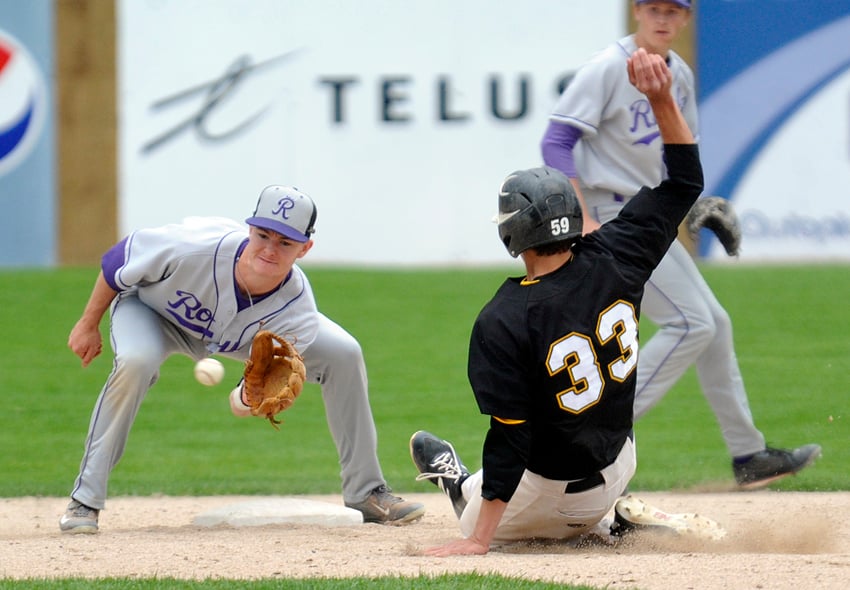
[{"x": 582, "y": 485}]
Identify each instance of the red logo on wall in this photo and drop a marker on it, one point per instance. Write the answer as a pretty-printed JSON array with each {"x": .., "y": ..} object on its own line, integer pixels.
[{"x": 23, "y": 103}]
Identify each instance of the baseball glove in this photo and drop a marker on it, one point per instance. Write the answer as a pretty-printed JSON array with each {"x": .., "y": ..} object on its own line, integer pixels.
[
  {"x": 717, "y": 215},
  {"x": 273, "y": 377}
]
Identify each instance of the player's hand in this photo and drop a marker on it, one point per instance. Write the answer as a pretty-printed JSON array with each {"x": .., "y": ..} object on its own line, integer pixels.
[
  {"x": 648, "y": 72},
  {"x": 459, "y": 547},
  {"x": 85, "y": 341}
]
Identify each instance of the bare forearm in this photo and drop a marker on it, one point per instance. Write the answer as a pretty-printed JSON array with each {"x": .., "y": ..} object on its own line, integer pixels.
[
  {"x": 671, "y": 123},
  {"x": 488, "y": 521},
  {"x": 478, "y": 543},
  {"x": 85, "y": 339},
  {"x": 99, "y": 301},
  {"x": 589, "y": 223}
]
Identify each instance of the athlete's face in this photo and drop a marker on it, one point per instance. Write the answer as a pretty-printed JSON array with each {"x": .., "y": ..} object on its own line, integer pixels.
[
  {"x": 658, "y": 25},
  {"x": 271, "y": 254}
]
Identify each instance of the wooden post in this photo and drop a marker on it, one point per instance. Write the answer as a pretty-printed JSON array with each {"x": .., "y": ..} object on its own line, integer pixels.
[{"x": 86, "y": 129}]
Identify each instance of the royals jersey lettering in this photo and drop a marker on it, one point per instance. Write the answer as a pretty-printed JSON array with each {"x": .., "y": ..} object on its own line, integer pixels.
[
  {"x": 169, "y": 268},
  {"x": 620, "y": 149}
]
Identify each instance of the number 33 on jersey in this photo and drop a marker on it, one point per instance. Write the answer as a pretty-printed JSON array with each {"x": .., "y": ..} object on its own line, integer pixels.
[{"x": 577, "y": 355}]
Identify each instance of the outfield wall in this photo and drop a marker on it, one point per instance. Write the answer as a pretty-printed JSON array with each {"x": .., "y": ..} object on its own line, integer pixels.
[{"x": 399, "y": 118}]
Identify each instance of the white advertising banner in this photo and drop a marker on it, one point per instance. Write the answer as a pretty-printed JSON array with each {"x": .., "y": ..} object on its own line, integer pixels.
[{"x": 399, "y": 118}]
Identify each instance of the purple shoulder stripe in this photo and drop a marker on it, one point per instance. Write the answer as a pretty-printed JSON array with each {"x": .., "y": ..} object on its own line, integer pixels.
[{"x": 111, "y": 261}]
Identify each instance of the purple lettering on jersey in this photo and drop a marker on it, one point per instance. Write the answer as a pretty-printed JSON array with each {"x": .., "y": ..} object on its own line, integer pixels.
[
  {"x": 283, "y": 207},
  {"x": 190, "y": 313},
  {"x": 643, "y": 117},
  {"x": 647, "y": 139},
  {"x": 643, "y": 123},
  {"x": 228, "y": 346}
]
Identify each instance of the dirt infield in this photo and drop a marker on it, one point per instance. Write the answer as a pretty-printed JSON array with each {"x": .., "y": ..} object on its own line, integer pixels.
[{"x": 776, "y": 540}]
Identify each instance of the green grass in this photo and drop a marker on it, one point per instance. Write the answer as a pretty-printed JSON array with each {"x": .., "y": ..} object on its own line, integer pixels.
[
  {"x": 791, "y": 339},
  {"x": 791, "y": 330}
]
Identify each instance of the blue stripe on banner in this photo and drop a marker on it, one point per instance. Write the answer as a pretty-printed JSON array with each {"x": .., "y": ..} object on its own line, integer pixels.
[
  {"x": 758, "y": 64},
  {"x": 734, "y": 34}
]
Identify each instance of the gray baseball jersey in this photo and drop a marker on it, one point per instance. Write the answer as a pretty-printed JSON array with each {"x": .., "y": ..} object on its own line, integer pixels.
[
  {"x": 184, "y": 272},
  {"x": 177, "y": 295}
]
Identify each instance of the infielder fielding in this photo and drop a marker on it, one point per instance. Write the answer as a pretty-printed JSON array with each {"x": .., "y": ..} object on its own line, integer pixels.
[
  {"x": 604, "y": 136},
  {"x": 553, "y": 356},
  {"x": 208, "y": 286}
]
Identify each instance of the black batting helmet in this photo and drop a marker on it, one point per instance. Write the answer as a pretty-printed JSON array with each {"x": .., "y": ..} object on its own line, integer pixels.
[{"x": 537, "y": 206}]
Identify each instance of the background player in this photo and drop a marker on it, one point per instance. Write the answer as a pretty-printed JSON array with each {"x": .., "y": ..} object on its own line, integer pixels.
[
  {"x": 552, "y": 356},
  {"x": 206, "y": 286},
  {"x": 603, "y": 135}
]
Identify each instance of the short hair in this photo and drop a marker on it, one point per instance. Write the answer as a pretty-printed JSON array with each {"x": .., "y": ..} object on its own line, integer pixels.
[{"x": 553, "y": 248}]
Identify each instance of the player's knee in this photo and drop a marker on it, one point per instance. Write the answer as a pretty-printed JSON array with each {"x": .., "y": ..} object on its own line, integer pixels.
[
  {"x": 701, "y": 331},
  {"x": 137, "y": 365},
  {"x": 347, "y": 351},
  {"x": 722, "y": 325}
]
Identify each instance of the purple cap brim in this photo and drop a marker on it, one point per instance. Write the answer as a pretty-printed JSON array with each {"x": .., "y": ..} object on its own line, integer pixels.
[
  {"x": 682, "y": 3},
  {"x": 276, "y": 226}
]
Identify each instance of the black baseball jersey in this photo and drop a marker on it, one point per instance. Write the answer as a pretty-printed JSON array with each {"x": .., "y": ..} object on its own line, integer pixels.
[{"x": 556, "y": 357}]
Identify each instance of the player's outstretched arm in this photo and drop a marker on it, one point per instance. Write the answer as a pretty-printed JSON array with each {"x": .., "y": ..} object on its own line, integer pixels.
[
  {"x": 85, "y": 339},
  {"x": 588, "y": 224},
  {"x": 648, "y": 72},
  {"x": 478, "y": 543}
]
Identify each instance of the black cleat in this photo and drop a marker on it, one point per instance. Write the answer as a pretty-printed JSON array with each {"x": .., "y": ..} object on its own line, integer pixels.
[
  {"x": 437, "y": 460},
  {"x": 770, "y": 465}
]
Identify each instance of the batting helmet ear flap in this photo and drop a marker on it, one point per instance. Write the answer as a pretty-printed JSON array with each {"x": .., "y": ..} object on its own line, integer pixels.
[
  {"x": 551, "y": 206},
  {"x": 511, "y": 229}
]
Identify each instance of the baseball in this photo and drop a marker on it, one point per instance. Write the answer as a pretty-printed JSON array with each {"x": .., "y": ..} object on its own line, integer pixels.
[{"x": 209, "y": 372}]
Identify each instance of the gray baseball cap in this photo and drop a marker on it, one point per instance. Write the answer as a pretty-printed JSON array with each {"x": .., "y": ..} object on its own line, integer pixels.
[
  {"x": 285, "y": 210},
  {"x": 682, "y": 3}
]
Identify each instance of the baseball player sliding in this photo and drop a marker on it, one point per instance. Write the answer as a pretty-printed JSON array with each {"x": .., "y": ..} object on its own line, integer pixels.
[
  {"x": 553, "y": 356},
  {"x": 208, "y": 286},
  {"x": 603, "y": 134}
]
